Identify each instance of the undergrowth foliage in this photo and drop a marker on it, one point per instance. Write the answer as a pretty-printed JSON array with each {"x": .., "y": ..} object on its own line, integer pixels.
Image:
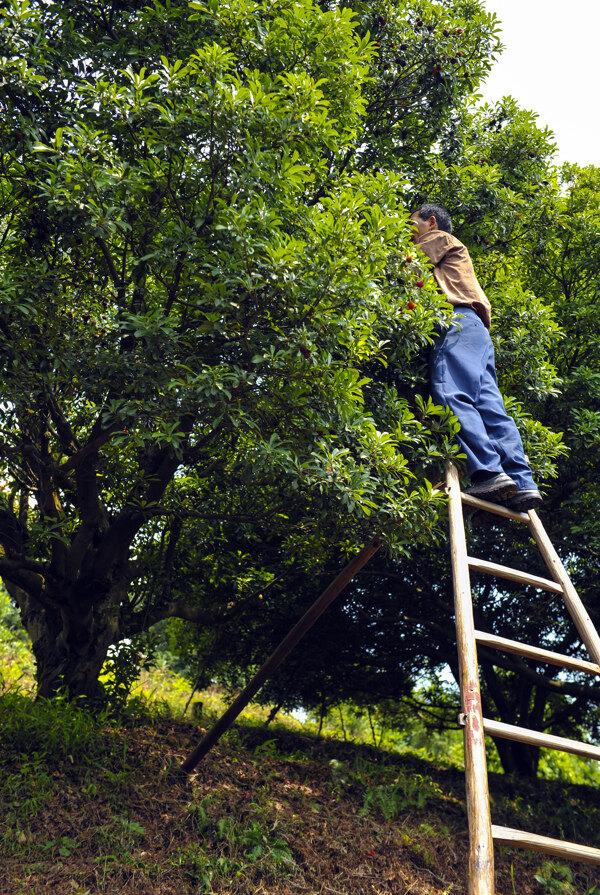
[
  {"x": 98, "y": 804},
  {"x": 104, "y": 808},
  {"x": 49, "y": 730}
]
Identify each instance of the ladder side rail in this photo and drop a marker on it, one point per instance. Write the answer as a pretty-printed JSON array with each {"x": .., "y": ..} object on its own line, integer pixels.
[
  {"x": 535, "y": 652},
  {"x": 583, "y": 623},
  {"x": 537, "y": 738},
  {"x": 481, "y": 846}
]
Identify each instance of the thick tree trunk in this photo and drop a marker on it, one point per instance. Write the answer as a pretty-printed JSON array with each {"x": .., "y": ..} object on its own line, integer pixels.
[{"x": 70, "y": 646}]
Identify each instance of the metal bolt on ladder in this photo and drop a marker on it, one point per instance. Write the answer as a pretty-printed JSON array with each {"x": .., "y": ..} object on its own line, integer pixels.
[{"x": 482, "y": 833}]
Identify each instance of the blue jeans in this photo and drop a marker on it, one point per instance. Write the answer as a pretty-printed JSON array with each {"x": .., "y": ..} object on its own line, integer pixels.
[{"x": 463, "y": 378}]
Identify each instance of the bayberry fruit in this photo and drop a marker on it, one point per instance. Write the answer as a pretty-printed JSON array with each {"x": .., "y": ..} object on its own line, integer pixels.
[
  {"x": 419, "y": 283},
  {"x": 410, "y": 305}
]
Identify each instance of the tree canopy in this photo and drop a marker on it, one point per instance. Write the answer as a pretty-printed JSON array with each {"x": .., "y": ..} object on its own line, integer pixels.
[
  {"x": 197, "y": 262},
  {"x": 213, "y": 323}
]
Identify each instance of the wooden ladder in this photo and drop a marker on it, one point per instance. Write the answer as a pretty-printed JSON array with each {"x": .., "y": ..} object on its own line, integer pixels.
[{"x": 482, "y": 833}]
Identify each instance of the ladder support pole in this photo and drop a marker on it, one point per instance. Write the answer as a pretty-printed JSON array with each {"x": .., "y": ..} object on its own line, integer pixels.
[
  {"x": 293, "y": 637},
  {"x": 481, "y": 847},
  {"x": 583, "y": 622}
]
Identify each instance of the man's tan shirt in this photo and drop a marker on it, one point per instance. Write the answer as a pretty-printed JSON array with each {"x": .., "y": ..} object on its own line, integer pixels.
[{"x": 454, "y": 273}]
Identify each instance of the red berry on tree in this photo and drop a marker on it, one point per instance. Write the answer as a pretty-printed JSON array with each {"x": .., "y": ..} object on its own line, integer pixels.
[
  {"x": 410, "y": 305},
  {"x": 419, "y": 283},
  {"x": 409, "y": 259}
]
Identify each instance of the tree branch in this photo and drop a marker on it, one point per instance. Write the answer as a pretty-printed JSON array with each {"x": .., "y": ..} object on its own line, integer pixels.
[
  {"x": 24, "y": 573},
  {"x": 92, "y": 447},
  {"x": 109, "y": 262}
]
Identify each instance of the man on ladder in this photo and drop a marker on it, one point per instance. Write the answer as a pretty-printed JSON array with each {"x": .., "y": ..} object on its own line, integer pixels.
[
  {"x": 463, "y": 378},
  {"x": 463, "y": 375}
]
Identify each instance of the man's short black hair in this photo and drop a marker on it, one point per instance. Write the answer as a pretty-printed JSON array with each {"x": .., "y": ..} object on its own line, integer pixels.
[{"x": 441, "y": 215}]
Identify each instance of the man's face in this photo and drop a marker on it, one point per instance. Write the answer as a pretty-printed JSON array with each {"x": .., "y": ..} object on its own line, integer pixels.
[{"x": 422, "y": 226}]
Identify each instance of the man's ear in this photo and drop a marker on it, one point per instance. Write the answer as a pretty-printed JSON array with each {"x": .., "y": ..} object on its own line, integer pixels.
[{"x": 432, "y": 222}]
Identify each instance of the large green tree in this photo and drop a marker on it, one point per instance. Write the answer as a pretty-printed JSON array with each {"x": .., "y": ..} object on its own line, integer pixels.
[{"x": 203, "y": 247}]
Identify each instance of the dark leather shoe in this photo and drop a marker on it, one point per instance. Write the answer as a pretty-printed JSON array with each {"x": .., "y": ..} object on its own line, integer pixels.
[
  {"x": 526, "y": 499},
  {"x": 497, "y": 488}
]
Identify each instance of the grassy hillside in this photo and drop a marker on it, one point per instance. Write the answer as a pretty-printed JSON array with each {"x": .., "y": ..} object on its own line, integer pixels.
[
  {"x": 92, "y": 807},
  {"x": 99, "y": 805}
]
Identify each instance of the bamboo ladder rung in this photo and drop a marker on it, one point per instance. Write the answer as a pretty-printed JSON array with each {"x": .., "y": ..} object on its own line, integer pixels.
[
  {"x": 518, "y": 839},
  {"x": 536, "y": 738},
  {"x": 536, "y": 652},
  {"x": 492, "y": 568},
  {"x": 496, "y": 508}
]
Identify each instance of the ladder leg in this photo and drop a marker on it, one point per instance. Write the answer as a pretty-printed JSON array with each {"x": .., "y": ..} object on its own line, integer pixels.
[
  {"x": 481, "y": 849},
  {"x": 583, "y": 623}
]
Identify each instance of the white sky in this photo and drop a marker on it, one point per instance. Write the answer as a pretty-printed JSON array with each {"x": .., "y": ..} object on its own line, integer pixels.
[{"x": 550, "y": 65}]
